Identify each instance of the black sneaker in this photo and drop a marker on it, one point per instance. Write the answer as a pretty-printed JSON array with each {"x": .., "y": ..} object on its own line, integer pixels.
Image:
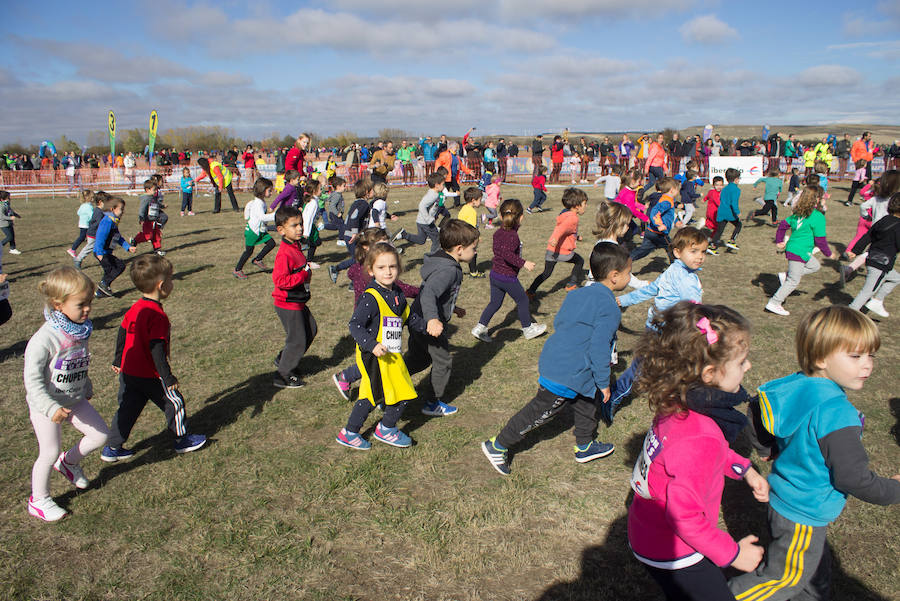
[
  {"x": 333, "y": 273},
  {"x": 292, "y": 381},
  {"x": 104, "y": 289}
]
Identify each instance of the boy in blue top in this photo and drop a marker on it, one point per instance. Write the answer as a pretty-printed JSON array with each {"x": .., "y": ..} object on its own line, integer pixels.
[
  {"x": 806, "y": 422},
  {"x": 773, "y": 185},
  {"x": 574, "y": 363},
  {"x": 108, "y": 235},
  {"x": 729, "y": 211},
  {"x": 662, "y": 220},
  {"x": 679, "y": 282}
]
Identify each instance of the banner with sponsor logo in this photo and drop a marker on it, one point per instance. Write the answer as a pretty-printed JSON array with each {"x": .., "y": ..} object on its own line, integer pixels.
[
  {"x": 111, "y": 122},
  {"x": 151, "y": 138},
  {"x": 751, "y": 168}
]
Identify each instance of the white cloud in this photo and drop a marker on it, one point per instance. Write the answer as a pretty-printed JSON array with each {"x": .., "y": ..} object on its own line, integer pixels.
[
  {"x": 707, "y": 29},
  {"x": 885, "y": 50},
  {"x": 579, "y": 9},
  {"x": 822, "y": 76}
]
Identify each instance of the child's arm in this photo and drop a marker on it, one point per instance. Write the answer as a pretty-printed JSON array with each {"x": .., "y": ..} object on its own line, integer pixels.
[
  {"x": 161, "y": 362},
  {"x": 848, "y": 463},
  {"x": 783, "y": 228},
  {"x": 563, "y": 229},
  {"x": 120, "y": 348},
  {"x": 408, "y": 290},
  {"x": 606, "y": 322},
  {"x": 364, "y": 314},
  {"x": 645, "y": 293},
  {"x": 760, "y": 438}
]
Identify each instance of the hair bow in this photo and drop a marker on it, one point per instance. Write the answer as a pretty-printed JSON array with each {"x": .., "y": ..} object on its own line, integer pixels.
[{"x": 712, "y": 336}]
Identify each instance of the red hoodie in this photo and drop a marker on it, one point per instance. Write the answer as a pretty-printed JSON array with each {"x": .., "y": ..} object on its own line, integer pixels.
[{"x": 291, "y": 277}]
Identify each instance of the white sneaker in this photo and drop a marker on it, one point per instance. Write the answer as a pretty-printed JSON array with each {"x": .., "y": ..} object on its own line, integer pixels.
[
  {"x": 776, "y": 308},
  {"x": 72, "y": 473},
  {"x": 782, "y": 276},
  {"x": 313, "y": 265},
  {"x": 534, "y": 330},
  {"x": 46, "y": 509},
  {"x": 15, "y": 251},
  {"x": 341, "y": 243},
  {"x": 481, "y": 333},
  {"x": 877, "y": 307}
]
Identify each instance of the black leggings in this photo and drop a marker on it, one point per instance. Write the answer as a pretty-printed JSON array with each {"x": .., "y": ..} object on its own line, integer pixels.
[
  {"x": 703, "y": 580},
  {"x": 363, "y": 407},
  {"x": 721, "y": 229},
  {"x": 82, "y": 234},
  {"x": 854, "y": 187},
  {"x": 112, "y": 266},
  {"x": 577, "y": 272},
  {"x": 5, "y": 311},
  {"x": 769, "y": 207},
  {"x": 544, "y": 407},
  {"x": 499, "y": 290},
  {"x": 248, "y": 250}
]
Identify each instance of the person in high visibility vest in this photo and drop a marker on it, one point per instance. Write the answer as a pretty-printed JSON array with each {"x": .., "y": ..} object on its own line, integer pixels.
[{"x": 220, "y": 177}]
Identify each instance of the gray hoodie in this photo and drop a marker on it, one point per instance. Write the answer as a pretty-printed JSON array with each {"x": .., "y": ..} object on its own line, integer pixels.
[
  {"x": 56, "y": 371},
  {"x": 428, "y": 208},
  {"x": 441, "y": 279}
]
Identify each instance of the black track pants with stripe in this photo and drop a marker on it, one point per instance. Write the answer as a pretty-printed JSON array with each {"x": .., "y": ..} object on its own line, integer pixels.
[{"x": 134, "y": 393}]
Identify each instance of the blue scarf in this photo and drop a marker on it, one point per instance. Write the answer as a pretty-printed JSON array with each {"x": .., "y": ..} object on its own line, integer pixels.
[
  {"x": 720, "y": 407},
  {"x": 78, "y": 331}
]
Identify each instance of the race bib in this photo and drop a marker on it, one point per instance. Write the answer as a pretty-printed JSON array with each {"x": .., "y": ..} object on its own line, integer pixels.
[
  {"x": 649, "y": 450},
  {"x": 392, "y": 333},
  {"x": 69, "y": 374},
  {"x": 152, "y": 211}
]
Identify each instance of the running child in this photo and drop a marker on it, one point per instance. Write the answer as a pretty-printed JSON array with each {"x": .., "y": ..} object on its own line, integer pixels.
[
  {"x": 310, "y": 214},
  {"x": 357, "y": 218},
  {"x": 627, "y": 196},
  {"x": 100, "y": 198},
  {"x": 574, "y": 363},
  {"x": 729, "y": 211},
  {"x": 142, "y": 362},
  {"x": 151, "y": 218},
  {"x": 428, "y": 210},
  {"x": 85, "y": 212},
  {"x": 290, "y": 194},
  {"x": 871, "y": 210},
  {"x": 378, "y": 215},
  {"x": 107, "y": 237},
  {"x": 335, "y": 206},
  {"x": 712, "y": 200},
  {"x": 884, "y": 243},
  {"x": 361, "y": 280},
  {"x": 807, "y": 227},
  {"x": 611, "y": 183},
  {"x": 859, "y": 180},
  {"x": 469, "y": 213},
  {"x": 377, "y": 328},
  {"x": 561, "y": 245},
  {"x": 692, "y": 364},
  {"x": 661, "y": 220},
  {"x": 492, "y": 202},
  {"x": 504, "y": 278},
  {"x": 772, "y": 184},
  {"x": 58, "y": 388},
  {"x": 436, "y": 303},
  {"x": 7, "y": 217},
  {"x": 689, "y": 195},
  {"x": 255, "y": 231},
  {"x": 187, "y": 192},
  {"x": 793, "y": 188},
  {"x": 806, "y": 422},
  {"x": 291, "y": 276},
  {"x": 539, "y": 186},
  {"x": 612, "y": 224}
]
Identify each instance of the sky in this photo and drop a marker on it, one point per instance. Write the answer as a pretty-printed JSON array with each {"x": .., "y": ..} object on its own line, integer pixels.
[{"x": 505, "y": 66}]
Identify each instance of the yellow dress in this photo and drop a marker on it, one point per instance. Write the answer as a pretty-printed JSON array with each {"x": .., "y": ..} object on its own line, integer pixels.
[{"x": 386, "y": 377}]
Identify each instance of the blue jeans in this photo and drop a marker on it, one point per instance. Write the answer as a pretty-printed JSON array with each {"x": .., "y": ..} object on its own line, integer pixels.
[
  {"x": 655, "y": 174},
  {"x": 652, "y": 241},
  {"x": 187, "y": 201},
  {"x": 539, "y": 197}
]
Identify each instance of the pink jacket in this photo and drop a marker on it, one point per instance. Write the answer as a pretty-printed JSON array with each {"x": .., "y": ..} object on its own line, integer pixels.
[
  {"x": 628, "y": 197},
  {"x": 656, "y": 157},
  {"x": 679, "y": 523},
  {"x": 492, "y": 195}
]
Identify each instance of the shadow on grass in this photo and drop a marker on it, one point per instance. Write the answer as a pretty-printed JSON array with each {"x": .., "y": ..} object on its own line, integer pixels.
[
  {"x": 27, "y": 271},
  {"x": 195, "y": 243},
  {"x": 186, "y": 272},
  {"x": 895, "y": 411},
  {"x": 657, "y": 264},
  {"x": 342, "y": 352},
  {"x": 13, "y": 350},
  {"x": 191, "y": 233}
]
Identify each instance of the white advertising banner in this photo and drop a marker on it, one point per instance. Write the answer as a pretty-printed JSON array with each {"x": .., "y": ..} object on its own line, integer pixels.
[{"x": 751, "y": 168}]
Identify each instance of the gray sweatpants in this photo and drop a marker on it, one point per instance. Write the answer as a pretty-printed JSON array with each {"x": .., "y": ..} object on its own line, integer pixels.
[
  {"x": 88, "y": 249},
  {"x": 795, "y": 271},
  {"x": 797, "y": 565},
  {"x": 425, "y": 350},
  {"x": 878, "y": 285}
]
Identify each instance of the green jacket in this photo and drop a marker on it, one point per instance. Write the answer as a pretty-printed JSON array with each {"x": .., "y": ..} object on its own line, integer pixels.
[{"x": 405, "y": 155}]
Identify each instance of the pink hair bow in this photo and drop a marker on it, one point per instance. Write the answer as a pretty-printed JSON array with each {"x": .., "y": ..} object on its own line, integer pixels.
[{"x": 712, "y": 336}]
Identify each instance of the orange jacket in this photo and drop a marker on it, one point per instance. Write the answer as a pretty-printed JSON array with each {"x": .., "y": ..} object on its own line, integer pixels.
[
  {"x": 445, "y": 160},
  {"x": 859, "y": 151},
  {"x": 564, "y": 234}
]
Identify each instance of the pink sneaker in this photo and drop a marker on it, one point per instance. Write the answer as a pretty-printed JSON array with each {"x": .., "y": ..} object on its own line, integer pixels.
[
  {"x": 72, "y": 472},
  {"x": 190, "y": 213},
  {"x": 71, "y": 253},
  {"x": 46, "y": 509}
]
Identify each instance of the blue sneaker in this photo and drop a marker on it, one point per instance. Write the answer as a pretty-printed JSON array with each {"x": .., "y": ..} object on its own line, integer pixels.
[
  {"x": 438, "y": 409},
  {"x": 113, "y": 454},
  {"x": 594, "y": 450},
  {"x": 353, "y": 440},
  {"x": 392, "y": 436},
  {"x": 499, "y": 459},
  {"x": 189, "y": 442}
]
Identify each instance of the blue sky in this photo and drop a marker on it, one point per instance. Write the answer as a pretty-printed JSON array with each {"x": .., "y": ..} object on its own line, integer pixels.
[{"x": 510, "y": 66}]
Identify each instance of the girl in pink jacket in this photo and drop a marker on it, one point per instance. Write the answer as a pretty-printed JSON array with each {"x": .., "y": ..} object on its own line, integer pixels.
[{"x": 692, "y": 364}]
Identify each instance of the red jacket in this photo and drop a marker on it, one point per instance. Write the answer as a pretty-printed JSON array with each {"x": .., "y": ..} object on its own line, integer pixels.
[
  {"x": 294, "y": 159},
  {"x": 556, "y": 152},
  {"x": 291, "y": 276}
]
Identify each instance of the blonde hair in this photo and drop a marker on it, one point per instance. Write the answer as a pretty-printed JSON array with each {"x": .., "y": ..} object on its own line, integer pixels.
[
  {"x": 832, "y": 329},
  {"x": 380, "y": 190},
  {"x": 807, "y": 203},
  {"x": 612, "y": 220},
  {"x": 87, "y": 196},
  {"x": 63, "y": 282}
]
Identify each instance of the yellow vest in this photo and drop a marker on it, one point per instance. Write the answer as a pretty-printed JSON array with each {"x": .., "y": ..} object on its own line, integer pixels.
[
  {"x": 386, "y": 377},
  {"x": 809, "y": 158},
  {"x": 225, "y": 173}
]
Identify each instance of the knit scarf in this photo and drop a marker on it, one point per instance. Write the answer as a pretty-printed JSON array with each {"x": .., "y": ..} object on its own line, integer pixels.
[
  {"x": 77, "y": 331},
  {"x": 719, "y": 406}
]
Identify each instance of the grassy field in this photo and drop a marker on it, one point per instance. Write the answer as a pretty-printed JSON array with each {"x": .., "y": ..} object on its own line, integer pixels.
[{"x": 273, "y": 508}]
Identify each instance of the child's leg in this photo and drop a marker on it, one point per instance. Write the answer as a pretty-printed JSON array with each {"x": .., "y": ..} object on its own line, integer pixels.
[
  {"x": 300, "y": 330},
  {"x": 541, "y": 409},
  {"x": 48, "y": 436},
  {"x": 797, "y": 565},
  {"x": 891, "y": 279},
  {"x": 473, "y": 264},
  {"x": 536, "y": 199},
  {"x": 131, "y": 402},
  {"x": 549, "y": 265},
  {"x": 737, "y": 225},
  {"x": 854, "y": 187},
  {"x": 112, "y": 266},
  {"x": 688, "y": 212},
  {"x": 361, "y": 410},
  {"x": 169, "y": 401},
  {"x": 585, "y": 420},
  {"x": 9, "y": 236},
  {"x": 346, "y": 263},
  {"x": 704, "y": 580},
  {"x": 420, "y": 236},
  {"x": 87, "y": 250},
  {"x": 862, "y": 227},
  {"x": 392, "y": 414},
  {"x": 874, "y": 278},
  {"x": 517, "y": 292},
  {"x": 498, "y": 293},
  {"x": 248, "y": 250},
  {"x": 266, "y": 250},
  {"x": 184, "y": 202},
  {"x": 577, "y": 269},
  {"x": 156, "y": 236},
  {"x": 434, "y": 235},
  {"x": 145, "y": 233},
  {"x": 82, "y": 234},
  {"x": 717, "y": 235},
  {"x": 87, "y": 421},
  {"x": 5, "y": 311},
  {"x": 351, "y": 372},
  {"x": 858, "y": 261},
  {"x": 651, "y": 241},
  {"x": 441, "y": 365},
  {"x": 796, "y": 270}
]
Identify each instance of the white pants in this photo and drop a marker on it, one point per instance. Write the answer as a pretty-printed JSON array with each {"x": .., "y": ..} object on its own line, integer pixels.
[{"x": 86, "y": 420}]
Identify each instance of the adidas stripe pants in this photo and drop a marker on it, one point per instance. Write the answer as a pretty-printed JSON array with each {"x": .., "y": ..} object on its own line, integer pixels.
[
  {"x": 134, "y": 392},
  {"x": 797, "y": 565}
]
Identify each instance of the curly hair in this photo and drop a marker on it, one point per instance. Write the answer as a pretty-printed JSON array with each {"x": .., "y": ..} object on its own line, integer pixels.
[
  {"x": 807, "y": 203},
  {"x": 674, "y": 353}
]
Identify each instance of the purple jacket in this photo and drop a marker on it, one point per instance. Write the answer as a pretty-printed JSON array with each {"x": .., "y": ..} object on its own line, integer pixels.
[
  {"x": 286, "y": 197},
  {"x": 507, "y": 254}
]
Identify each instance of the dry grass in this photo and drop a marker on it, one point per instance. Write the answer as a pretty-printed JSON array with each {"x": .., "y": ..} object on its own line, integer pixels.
[{"x": 273, "y": 508}]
